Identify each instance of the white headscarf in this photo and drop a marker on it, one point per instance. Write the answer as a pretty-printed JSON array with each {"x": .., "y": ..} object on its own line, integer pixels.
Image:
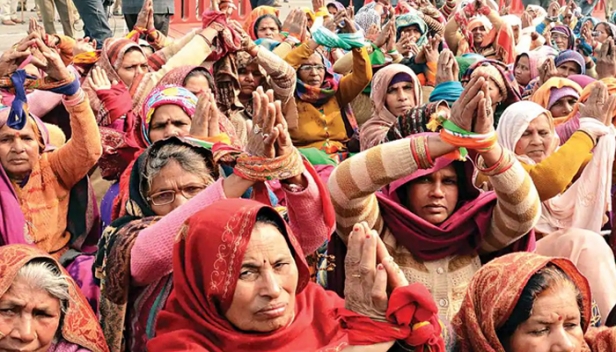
[{"x": 581, "y": 204}]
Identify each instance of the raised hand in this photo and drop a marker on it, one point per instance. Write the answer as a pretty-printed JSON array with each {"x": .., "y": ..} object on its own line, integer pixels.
[
  {"x": 205, "y": 120},
  {"x": 296, "y": 24},
  {"x": 98, "y": 80},
  {"x": 147, "y": 10},
  {"x": 553, "y": 9},
  {"x": 375, "y": 35},
  {"x": 84, "y": 45},
  {"x": 527, "y": 19},
  {"x": 12, "y": 58},
  {"x": 54, "y": 67},
  {"x": 431, "y": 48},
  {"x": 317, "y": 5},
  {"x": 447, "y": 67},
  {"x": 547, "y": 70},
  {"x": 369, "y": 271},
  {"x": 464, "y": 110},
  {"x": 600, "y": 104},
  {"x": 606, "y": 59}
]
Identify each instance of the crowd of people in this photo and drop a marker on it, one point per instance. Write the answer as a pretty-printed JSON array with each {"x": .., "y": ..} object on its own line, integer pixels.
[{"x": 405, "y": 177}]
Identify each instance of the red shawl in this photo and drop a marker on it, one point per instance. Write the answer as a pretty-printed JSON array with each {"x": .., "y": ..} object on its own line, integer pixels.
[
  {"x": 206, "y": 262},
  {"x": 229, "y": 41},
  {"x": 462, "y": 233}
]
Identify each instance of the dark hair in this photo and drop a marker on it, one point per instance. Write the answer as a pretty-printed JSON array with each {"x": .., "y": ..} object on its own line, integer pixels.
[
  {"x": 201, "y": 71},
  {"x": 269, "y": 216},
  {"x": 258, "y": 22},
  {"x": 549, "y": 277}
]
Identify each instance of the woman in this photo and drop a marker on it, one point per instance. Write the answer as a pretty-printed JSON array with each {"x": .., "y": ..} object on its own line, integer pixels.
[
  {"x": 569, "y": 62},
  {"x": 325, "y": 120},
  {"x": 171, "y": 181},
  {"x": 47, "y": 193},
  {"x": 503, "y": 90},
  {"x": 421, "y": 201},
  {"x": 492, "y": 38},
  {"x": 604, "y": 30},
  {"x": 562, "y": 38},
  {"x": 395, "y": 94},
  {"x": 526, "y": 67},
  {"x": 267, "y": 26},
  {"x": 558, "y": 95},
  {"x": 255, "y": 14},
  {"x": 263, "y": 300},
  {"x": 196, "y": 79},
  {"x": 573, "y": 184},
  {"x": 527, "y": 302},
  {"x": 335, "y": 6},
  {"x": 42, "y": 308}
]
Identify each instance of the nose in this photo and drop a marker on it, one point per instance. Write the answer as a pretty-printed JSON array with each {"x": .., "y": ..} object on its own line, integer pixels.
[
  {"x": 23, "y": 330},
  {"x": 171, "y": 131},
  {"x": 401, "y": 95},
  {"x": 562, "y": 342},
  {"x": 536, "y": 140},
  {"x": 179, "y": 200},
  {"x": 249, "y": 77},
  {"x": 270, "y": 287},
  {"x": 18, "y": 146},
  {"x": 437, "y": 190}
]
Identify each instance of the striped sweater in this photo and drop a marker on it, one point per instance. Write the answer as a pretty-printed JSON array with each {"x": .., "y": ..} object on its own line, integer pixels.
[{"x": 353, "y": 185}]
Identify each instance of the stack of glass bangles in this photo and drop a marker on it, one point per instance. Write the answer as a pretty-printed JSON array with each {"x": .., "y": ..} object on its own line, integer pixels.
[{"x": 463, "y": 139}]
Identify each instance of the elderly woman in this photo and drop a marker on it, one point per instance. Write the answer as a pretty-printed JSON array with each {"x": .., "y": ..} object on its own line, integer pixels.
[
  {"x": 241, "y": 283},
  {"x": 573, "y": 184},
  {"x": 527, "y": 302},
  {"x": 569, "y": 62},
  {"x": 559, "y": 96},
  {"x": 46, "y": 199},
  {"x": 434, "y": 223},
  {"x": 489, "y": 36},
  {"x": 562, "y": 38},
  {"x": 395, "y": 94},
  {"x": 325, "y": 120},
  {"x": 42, "y": 308},
  {"x": 171, "y": 181}
]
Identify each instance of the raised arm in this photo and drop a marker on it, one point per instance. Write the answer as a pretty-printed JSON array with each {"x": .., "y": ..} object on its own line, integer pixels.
[
  {"x": 352, "y": 84},
  {"x": 73, "y": 160}
]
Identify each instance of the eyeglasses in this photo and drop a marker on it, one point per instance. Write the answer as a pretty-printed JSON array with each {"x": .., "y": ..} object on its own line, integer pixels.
[
  {"x": 306, "y": 68},
  {"x": 168, "y": 197}
]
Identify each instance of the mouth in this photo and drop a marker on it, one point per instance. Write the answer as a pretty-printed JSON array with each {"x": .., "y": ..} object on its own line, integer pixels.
[
  {"x": 18, "y": 161},
  {"x": 314, "y": 82},
  {"x": 273, "y": 311},
  {"x": 435, "y": 208}
]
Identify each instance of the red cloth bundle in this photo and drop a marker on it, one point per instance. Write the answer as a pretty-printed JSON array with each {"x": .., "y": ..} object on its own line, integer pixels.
[{"x": 228, "y": 40}]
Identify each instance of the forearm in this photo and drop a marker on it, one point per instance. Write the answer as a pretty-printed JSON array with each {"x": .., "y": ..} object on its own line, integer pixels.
[
  {"x": 282, "y": 75},
  {"x": 355, "y": 82},
  {"x": 306, "y": 215},
  {"x": 517, "y": 207},
  {"x": 73, "y": 160},
  {"x": 174, "y": 47},
  {"x": 298, "y": 55}
]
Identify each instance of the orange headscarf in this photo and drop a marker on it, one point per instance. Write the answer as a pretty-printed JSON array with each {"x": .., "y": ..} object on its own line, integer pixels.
[
  {"x": 254, "y": 15},
  {"x": 495, "y": 290},
  {"x": 542, "y": 95},
  {"x": 80, "y": 325},
  {"x": 610, "y": 82}
]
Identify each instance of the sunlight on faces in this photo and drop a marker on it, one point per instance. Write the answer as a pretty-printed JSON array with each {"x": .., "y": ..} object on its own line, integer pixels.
[
  {"x": 29, "y": 318},
  {"x": 312, "y": 77},
  {"x": 561, "y": 40},
  {"x": 568, "y": 68},
  {"x": 434, "y": 197},
  {"x": 268, "y": 28},
  {"x": 478, "y": 34},
  {"x": 172, "y": 177},
  {"x": 603, "y": 33},
  {"x": 554, "y": 324},
  {"x": 264, "y": 298},
  {"x": 563, "y": 107},
  {"x": 537, "y": 141},
  {"x": 197, "y": 84},
  {"x": 411, "y": 31},
  {"x": 250, "y": 78},
  {"x": 522, "y": 71},
  {"x": 400, "y": 98},
  {"x": 19, "y": 150},
  {"x": 133, "y": 63},
  {"x": 168, "y": 121}
]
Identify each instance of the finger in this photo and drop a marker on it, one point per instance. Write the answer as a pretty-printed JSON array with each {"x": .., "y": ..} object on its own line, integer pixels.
[
  {"x": 205, "y": 116},
  {"x": 472, "y": 89},
  {"x": 379, "y": 289},
  {"x": 368, "y": 254},
  {"x": 91, "y": 82},
  {"x": 283, "y": 136},
  {"x": 264, "y": 108},
  {"x": 395, "y": 276},
  {"x": 381, "y": 250},
  {"x": 481, "y": 114},
  {"x": 270, "y": 121},
  {"x": 34, "y": 60},
  {"x": 280, "y": 120},
  {"x": 270, "y": 95},
  {"x": 354, "y": 244},
  {"x": 256, "y": 107},
  {"x": 269, "y": 139}
]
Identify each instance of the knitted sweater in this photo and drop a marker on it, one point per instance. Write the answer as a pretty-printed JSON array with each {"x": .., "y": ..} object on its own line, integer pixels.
[
  {"x": 353, "y": 185},
  {"x": 324, "y": 126},
  {"x": 153, "y": 249},
  {"x": 45, "y": 197}
]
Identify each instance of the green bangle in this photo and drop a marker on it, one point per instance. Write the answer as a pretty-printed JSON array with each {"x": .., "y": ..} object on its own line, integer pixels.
[{"x": 450, "y": 126}]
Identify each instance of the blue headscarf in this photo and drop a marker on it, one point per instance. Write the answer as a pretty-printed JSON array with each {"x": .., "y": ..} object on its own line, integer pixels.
[{"x": 448, "y": 91}]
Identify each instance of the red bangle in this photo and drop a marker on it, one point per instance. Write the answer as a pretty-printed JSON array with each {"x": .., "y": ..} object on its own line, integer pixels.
[
  {"x": 428, "y": 156},
  {"x": 414, "y": 152},
  {"x": 496, "y": 164}
]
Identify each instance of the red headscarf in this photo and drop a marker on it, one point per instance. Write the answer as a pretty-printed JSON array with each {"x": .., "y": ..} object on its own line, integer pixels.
[
  {"x": 80, "y": 325},
  {"x": 206, "y": 263},
  {"x": 495, "y": 290}
]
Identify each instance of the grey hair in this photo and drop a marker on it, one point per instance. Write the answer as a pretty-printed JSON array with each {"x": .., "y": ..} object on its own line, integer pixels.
[
  {"x": 45, "y": 275},
  {"x": 188, "y": 159}
]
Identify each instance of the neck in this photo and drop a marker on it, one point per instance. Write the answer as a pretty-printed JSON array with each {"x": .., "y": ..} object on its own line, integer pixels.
[{"x": 244, "y": 98}]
